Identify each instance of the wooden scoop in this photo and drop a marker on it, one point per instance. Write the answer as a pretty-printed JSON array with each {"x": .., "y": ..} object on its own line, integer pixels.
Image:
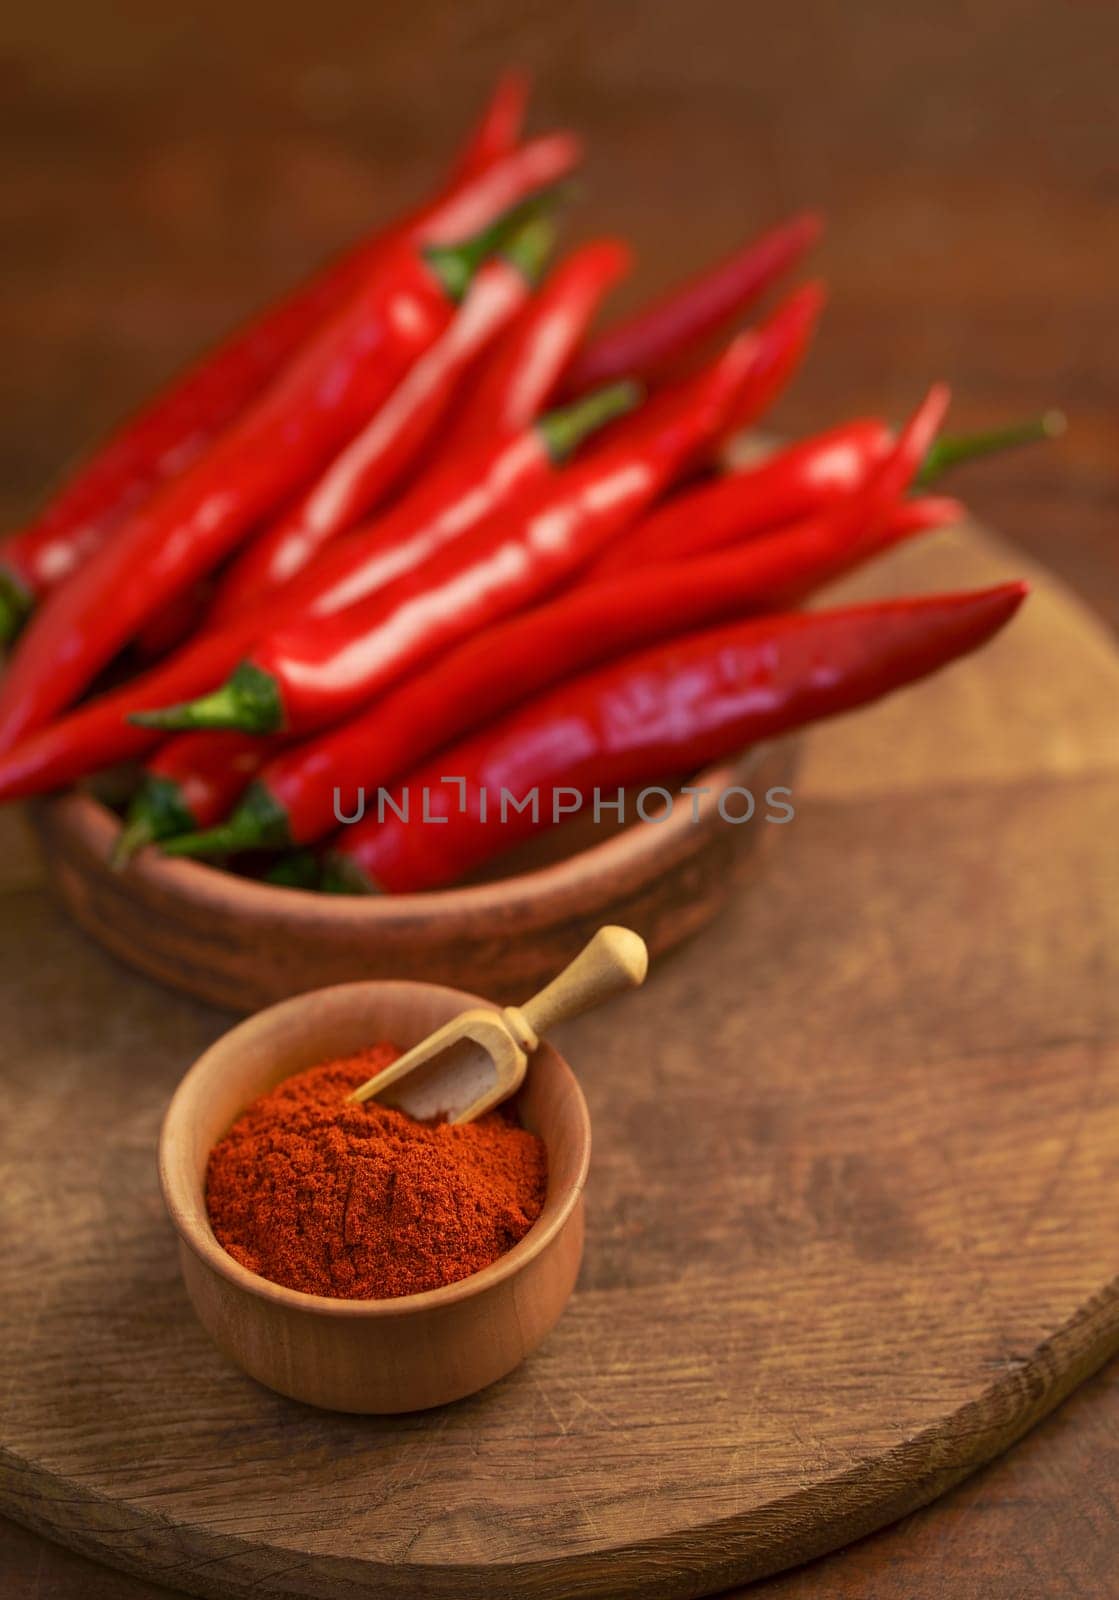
[{"x": 469, "y": 1065}]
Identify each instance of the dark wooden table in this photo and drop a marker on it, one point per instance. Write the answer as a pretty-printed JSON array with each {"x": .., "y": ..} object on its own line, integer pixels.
[{"x": 165, "y": 168}]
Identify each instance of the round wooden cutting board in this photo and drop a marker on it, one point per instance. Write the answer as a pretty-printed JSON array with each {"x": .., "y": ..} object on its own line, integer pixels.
[{"x": 851, "y": 1221}]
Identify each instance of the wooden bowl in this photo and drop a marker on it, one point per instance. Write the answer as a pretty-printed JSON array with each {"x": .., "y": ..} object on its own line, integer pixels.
[
  {"x": 378, "y": 1356},
  {"x": 243, "y": 944}
]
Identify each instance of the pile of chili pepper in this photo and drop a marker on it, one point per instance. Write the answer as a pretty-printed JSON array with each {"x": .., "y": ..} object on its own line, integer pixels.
[{"x": 421, "y": 517}]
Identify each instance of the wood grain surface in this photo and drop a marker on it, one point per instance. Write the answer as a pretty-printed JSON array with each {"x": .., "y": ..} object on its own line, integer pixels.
[
  {"x": 164, "y": 169},
  {"x": 839, "y": 1253}
]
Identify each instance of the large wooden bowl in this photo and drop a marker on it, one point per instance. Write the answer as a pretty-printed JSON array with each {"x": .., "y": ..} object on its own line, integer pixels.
[{"x": 243, "y": 944}]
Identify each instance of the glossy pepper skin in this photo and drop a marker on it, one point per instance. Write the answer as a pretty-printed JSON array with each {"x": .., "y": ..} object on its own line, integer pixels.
[
  {"x": 654, "y": 339},
  {"x": 795, "y": 482},
  {"x": 672, "y": 709},
  {"x": 293, "y": 801},
  {"x": 520, "y": 376},
  {"x": 471, "y": 488},
  {"x": 468, "y": 491},
  {"x": 318, "y": 403},
  {"x": 449, "y": 504},
  {"x": 199, "y": 517},
  {"x": 856, "y": 528},
  {"x": 498, "y": 129},
  {"x": 376, "y": 460},
  {"x": 163, "y": 437},
  {"x": 782, "y": 342},
  {"x": 297, "y": 795},
  {"x": 308, "y": 677}
]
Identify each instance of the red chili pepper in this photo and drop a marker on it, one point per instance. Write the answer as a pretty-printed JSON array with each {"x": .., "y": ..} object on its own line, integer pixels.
[
  {"x": 499, "y": 128},
  {"x": 783, "y": 341},
  {"x": 191, "y": 782},
  {"x": 645, "y": 344},
  {"x": 520, "y": 376},
  {"x": 860, "y": 515},
  {"x": 98, "y": 734},
  {"x": 464, "y": 495},
  {"x": 285, "y": 436},
  {"x": 860, "y": 525},
  {"x": 375, "y": 461},
  {"x": 672, "y": 709},
  {"x": 854, "y": 515},
  {"x": 778, "y": 570},
  {"x": 457, "y": 499},
  {"x": 174, "y": 623},
  {"x": 793, "y": 483},
  {"x": 172, "y": 430},
  {"x": 295, "y": 798},
  {"x": 466, "y": 210},
  {"x": 307, "y": 677},
  {"x": 906, "y": 518}
]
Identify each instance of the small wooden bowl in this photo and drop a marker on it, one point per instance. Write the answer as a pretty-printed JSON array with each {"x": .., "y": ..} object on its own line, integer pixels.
[
  {"x": 379, "y": 1356},
  {"x": 243, "y": 944}
]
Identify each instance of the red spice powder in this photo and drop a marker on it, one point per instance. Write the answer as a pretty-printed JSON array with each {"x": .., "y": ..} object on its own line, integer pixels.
[{"x": 360, "y": 1201}]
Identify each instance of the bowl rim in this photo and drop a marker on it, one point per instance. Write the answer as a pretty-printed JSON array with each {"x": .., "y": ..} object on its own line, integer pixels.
[
  {"x": 200, "y": 1237},
  {"x": 97, "y": 827}
]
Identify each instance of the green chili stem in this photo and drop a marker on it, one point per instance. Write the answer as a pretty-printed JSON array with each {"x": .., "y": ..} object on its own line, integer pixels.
[
  {"x": 564, "y": 430},
  {"x": 249, "y": 701},
  {"x": 953, "y": 449},
  {"x": 530, "y": 247},
  {"x": 455, "y": 264},
  {"x": 259, "y": 823}
]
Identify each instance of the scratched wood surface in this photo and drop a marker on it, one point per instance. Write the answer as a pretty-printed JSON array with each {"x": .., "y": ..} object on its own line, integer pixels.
[
  {"x": 163, "y": 170},
  {"x": 851, "y": 1222}
]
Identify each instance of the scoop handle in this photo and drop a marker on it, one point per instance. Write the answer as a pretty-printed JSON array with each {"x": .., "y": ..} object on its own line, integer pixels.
[{"x": 614, "y": 960}]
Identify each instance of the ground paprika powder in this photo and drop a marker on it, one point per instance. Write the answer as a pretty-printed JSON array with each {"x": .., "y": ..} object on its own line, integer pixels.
[{"x": 361, "y": 1201}]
